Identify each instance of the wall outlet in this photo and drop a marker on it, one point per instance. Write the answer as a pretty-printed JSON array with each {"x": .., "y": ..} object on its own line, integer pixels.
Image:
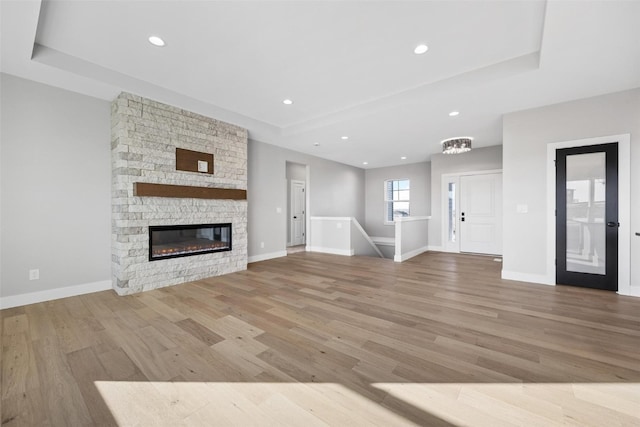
[
  {"x": 338, "y": 225},
  {"x": 278, "y": 210},
  {"x": 203, "y": 166},
  {"x": 34, "y": 274},
  {"x": 262, "y": 245},
  {"x": 522, "y": 208}
]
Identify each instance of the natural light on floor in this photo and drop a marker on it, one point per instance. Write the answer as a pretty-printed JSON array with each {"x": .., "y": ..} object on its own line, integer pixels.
[
  {"x": 308, "y": 404},
  {"x": 524, "y": 404},
  {"x": 242, "y": 404}
]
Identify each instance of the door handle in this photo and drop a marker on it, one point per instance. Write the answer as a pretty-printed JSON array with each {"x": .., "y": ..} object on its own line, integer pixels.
[
  {"x": 295, "y": 217},
  {"x": 613, "y": 224}
]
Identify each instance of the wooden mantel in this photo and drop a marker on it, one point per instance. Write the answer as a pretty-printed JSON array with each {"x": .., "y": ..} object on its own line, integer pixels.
[{"x": 185, "y": 191}]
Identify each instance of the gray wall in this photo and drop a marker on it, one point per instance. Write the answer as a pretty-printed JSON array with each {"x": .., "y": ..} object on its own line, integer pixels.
[
  {"x": 335, "y": 189},
  {"x": 298, "y": 172},
  {"x": 526, "y": 135},
  {"x": 420, "y": 176},
  {"x": 478, "y": 159},
  {"x": 55, "y": 187}
]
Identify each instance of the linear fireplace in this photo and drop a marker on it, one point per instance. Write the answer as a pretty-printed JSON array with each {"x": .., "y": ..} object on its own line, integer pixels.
[{"x": 173, "y": 241}]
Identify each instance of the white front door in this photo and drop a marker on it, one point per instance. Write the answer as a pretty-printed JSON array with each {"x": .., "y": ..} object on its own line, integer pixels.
[
  {"x": 297, "y": 213},
  {"x": 481, "y": 213}
]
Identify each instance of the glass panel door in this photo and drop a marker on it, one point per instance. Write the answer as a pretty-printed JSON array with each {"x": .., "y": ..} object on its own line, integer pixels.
[
  {"x": 587, "y": 216},
  {"x": 586, "y": 198}
]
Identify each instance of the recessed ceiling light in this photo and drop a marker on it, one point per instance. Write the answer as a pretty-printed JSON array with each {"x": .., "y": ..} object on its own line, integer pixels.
[
  {"x": 420, "y": 49},
  {"x": 365, "y": 163},
  {"x": 344, "y": 137},
  {"x": 454, "y": 113},
  {"x": 287, "y": 102},
  {"x": 403, "y": 158},
  {"x": 315, "y": 144},
  {"x": 156, "y": 41}
]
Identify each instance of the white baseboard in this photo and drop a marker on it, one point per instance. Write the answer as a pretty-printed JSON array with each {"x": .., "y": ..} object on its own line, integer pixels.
[
  {"x": 345, "y": 252},
  {"x": 435, "y": 248},
  {"x": 52, "y": 294},
  {"x": 264, "y": 257},
  {"x": 633, "y": 291},
  {"x": 526, "y": 277},
  {"x": 411, "y": 254}
]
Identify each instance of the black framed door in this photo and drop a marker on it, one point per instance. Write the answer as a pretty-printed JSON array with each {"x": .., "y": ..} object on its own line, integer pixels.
[{"x": 587, "y": 216}]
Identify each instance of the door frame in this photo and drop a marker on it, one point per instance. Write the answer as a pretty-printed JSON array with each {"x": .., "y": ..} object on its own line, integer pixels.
[
  {"x": 445, "y": 179},
  {"x": 609, "y": 280},
  {"x": 624, "y": 205},
  {"x": 291, "y": 204}
]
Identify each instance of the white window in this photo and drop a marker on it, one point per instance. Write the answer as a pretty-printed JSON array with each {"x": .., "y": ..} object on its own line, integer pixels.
[{"x": 396, "y": 199}]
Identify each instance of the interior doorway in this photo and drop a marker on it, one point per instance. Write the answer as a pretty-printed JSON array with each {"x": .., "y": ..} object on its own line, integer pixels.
[
  {"x": 297, "y": 214},
  {"x": 296, "y": 175}
]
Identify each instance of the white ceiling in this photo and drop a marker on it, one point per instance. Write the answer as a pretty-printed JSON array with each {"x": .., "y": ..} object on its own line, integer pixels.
[{"x": 348, "y": 66}]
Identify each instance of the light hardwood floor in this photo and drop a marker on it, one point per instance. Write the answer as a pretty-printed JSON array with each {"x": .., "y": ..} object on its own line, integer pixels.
[{"x": 314, "y": 339}]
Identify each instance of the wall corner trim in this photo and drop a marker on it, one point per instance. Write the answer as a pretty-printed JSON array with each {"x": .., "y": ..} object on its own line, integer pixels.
[
  {"x": 53, "y": 294},
  {"x": 411, "y": 254}
]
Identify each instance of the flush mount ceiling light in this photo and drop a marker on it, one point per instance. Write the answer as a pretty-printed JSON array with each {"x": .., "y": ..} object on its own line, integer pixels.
[
  {"x": 365, "y": 163},
  {"x": 457, "y": 145},
  {"x": 287, "y": 102},
  {"x": 156, "y": 41},
  {"x": 403, "y": 158},
  {"x": 316, "y": 144},
  {"x": 454, "y": 113},
  {"x": 420, "y": 49},
  {"x": 344, "y": 137}
]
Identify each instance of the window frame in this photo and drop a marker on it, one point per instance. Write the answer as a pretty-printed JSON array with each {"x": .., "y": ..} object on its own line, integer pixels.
[{"x": 387, "y": 201}]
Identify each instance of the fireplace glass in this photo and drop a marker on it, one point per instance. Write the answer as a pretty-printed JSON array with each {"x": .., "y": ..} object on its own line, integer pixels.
[{"x": 172, "y": 241}]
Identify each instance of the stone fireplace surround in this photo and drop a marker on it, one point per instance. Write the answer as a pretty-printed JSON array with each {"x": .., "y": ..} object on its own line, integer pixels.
[{"x": 144, "y": 138}]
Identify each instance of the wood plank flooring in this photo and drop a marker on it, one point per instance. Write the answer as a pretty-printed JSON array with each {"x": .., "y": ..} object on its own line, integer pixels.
[{"x": 315, "y": 339}]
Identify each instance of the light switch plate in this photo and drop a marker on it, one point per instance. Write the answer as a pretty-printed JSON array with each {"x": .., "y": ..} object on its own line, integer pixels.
[{"x": 203, "y": 166}]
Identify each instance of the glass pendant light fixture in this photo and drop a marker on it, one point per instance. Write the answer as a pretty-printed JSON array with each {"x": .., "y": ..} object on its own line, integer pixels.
[{"x": 457, "y": 145}]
